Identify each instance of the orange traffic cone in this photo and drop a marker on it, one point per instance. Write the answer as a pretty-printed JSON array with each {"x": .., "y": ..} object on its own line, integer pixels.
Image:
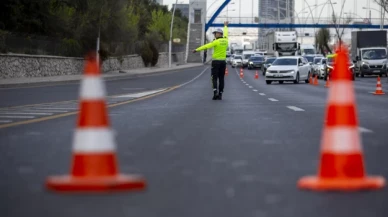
[
  {"x": 327, "y": 82},
  {"x": 315, "y": 81},
  {"x": 241, "y": 73},
  {"x": 379, "y": 90},
  {"x": 94, "y": 162},
  {"x": 341, "y": 162},
  {"x": 226, "y": 72},
  {"x": 311, "y": 79},
  {"x": 257, "y": 75}
]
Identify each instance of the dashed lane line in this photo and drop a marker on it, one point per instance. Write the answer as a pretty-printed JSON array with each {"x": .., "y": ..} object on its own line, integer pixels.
[
  {"x": 294, "y": 108},
  {"x": 255, "y": 90},
  {"x": 273, "y": 100},
  {"x": 262, "y": 94}
]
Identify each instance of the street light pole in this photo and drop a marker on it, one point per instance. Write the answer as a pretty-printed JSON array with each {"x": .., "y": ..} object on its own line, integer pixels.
[
  {"x": 381, "y": 14},
  {"x": 170, "y": 41},
  {"x": 278, "y": 13}
]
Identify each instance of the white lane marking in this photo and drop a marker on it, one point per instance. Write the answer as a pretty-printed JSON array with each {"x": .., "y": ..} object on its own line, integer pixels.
[
  {"x": 195, "y": 78},
  {"x": 136, "y": 95},
  {"x": 295, "y": 108},
  {"x": 5, "y": 121},
  {"x": 255, "y": 90},
  {"x": 4, "y": 116},
  {"x": 51, "y": 108},
  {"x": 24, "y": 113},
  {"x": 133, "y": 88},
  {"x": 51, "y": 111},
  {"x": 263, "y": 94},
  {"x": 364, "y": 130},
  {"x": 247, "y": 84},
  {"x": 250, "y": 87},
  {"x": 273, "y": 100}
]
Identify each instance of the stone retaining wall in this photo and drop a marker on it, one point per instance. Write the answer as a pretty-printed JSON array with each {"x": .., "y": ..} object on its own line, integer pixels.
[{"x": 18, "y": 65}]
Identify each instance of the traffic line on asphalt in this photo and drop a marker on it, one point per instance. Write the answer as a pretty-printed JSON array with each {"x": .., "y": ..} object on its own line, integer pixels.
[
  {"x": 255, "y": 90},
  {"x": 294, "y": 108},
  {"x": 136, "y": 95},
  {"x": 24, "y": 113},
  {"x": 364, "y": 130},
  {"x": 262, "y": 94},
  {"x": 273, "y": 100},
  {"x": 46, "y": 110},
  {"x": 18, "y": 117},
  {"x": 250, "y": 87},
  {"x": 5, "y": 121}
]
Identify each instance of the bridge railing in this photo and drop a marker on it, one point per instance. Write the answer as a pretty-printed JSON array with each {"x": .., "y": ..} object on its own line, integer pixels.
[{"x": 298, "y": 20}]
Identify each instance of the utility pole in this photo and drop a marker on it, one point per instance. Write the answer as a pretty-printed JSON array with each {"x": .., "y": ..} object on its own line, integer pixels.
[
  {"x": 170, "y": 41},
  {"x": 278, "y": 13}
]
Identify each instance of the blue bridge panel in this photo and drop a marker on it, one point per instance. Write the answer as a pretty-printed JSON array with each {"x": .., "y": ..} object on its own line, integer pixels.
[{"x": 289, "y": 25}]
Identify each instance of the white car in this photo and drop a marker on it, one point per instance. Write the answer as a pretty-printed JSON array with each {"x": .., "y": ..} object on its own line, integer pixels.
[
  {"x": 291, "y": 68},
  {"x": 237, "y": 61}
]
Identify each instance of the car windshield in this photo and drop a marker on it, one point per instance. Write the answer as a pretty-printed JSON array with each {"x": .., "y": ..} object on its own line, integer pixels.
[
  {"x": 330, "y": 60},
  {"x": 309, "y": 58},
  {"x": 256, "y": 59},
  {"x": 247, "y": 56},
  {"x": 285, "y": 62},
  {"x": 237, "y": 57},
  {"x": 270, "y": 60},
  {"x": 374, "y": 54},
  {"x": 317, "y": 60},
  {"x": 309, "y": 51}
]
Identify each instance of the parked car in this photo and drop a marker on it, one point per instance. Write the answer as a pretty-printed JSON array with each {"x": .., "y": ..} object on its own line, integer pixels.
[
  {"x": 256, "y": 61},
  {"x": 291, "y": 68},
  {"x": 315, "y": 66},
  {"x": 237, "y": 61},
  {"x": 268, "y": 62}
]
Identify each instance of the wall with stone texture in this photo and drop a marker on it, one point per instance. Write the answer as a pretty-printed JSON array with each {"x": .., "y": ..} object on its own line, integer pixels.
[{"x": 18, "y": 65}]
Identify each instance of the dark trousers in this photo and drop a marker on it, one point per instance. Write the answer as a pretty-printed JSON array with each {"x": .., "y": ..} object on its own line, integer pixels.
[{"x": 218, "y": 73}]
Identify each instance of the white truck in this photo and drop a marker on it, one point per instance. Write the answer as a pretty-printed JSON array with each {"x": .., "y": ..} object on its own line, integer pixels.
[{"x": 283, "y": 43}]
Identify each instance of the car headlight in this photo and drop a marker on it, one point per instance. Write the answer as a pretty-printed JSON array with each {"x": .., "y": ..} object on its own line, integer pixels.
[
  {"x": 270, "y": 71},
  {"x": 365, "y": 63},
  {"x": 329, "y": 67},
  {"x": 292, "y": 71},
  {"x": 251, "y": 63}
]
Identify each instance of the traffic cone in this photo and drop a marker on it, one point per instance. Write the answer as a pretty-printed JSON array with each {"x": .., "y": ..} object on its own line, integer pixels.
[
  {"x": 379, "y": 90},
  {"x": 226, "y": 72},
  {"x": 241, "y": 73},
  {"x": 94, "y": 162},
  {"x": 257, "y": 75},
  {"x": 327, "y": 82},
  {"x": 341, "y": 162},
  {"x": 315, "y": 81}
]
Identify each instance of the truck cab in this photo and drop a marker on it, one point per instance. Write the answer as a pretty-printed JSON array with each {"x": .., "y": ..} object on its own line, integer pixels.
[{"x": 283, "y": 43}]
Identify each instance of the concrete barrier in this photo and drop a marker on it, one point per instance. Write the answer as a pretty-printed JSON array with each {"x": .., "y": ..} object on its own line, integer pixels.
[{"x": 21, "y": 66}]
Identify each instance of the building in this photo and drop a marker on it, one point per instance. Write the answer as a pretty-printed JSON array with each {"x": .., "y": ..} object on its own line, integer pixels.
[
  {"x": 269, "y": 13},
  {"x": 184, "y": 8},
  {"x": 159, "y": 2}
]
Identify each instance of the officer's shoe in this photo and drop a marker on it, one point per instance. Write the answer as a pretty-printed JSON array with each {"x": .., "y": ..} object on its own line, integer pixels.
[
  {"x": 215, "y": 95},
  {"x": 220, "y": 96}
]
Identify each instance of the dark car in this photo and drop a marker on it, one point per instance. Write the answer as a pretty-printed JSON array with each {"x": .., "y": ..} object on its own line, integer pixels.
[
  {"x": 255, "y": 62},
  {"x": 268, "y": 62}
]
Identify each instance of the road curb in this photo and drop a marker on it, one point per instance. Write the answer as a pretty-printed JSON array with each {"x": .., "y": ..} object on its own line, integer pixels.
[{"x": 122, "y": 75}]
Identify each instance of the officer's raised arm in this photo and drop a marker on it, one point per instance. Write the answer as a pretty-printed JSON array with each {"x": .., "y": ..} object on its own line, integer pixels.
[{"x": 226, "y": 29}]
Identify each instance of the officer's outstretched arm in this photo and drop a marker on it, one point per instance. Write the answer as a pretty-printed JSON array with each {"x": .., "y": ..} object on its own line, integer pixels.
[{"x": 208, "y": 45}]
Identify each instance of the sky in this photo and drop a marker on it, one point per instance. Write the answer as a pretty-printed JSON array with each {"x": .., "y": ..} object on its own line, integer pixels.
[{"x": 352, "y": 6}]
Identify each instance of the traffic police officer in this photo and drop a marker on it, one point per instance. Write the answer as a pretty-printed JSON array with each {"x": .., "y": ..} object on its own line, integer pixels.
[{"x": 220, "y": 45}]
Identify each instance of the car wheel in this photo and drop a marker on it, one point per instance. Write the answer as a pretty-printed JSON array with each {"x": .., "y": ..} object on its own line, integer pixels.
[
  {"x": 268, "y": 82},
  {"x": 281, "y": 82},
  {"x": 307, "y": 80},
  {"x": 263, "y": 72},
  {"x": 296, "y": 81},
  {"x": 362, "y": 74}
]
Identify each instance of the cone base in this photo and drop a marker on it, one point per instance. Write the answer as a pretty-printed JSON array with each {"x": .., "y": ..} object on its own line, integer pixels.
[
  {"x": 95, "y": 184},
  {"x": 318, "y": 184},
  {"x": 376, "y": 93}
]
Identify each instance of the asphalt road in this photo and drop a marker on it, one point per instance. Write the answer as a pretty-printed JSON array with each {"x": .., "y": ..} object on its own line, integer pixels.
[{"x": 239, "y": 157}]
